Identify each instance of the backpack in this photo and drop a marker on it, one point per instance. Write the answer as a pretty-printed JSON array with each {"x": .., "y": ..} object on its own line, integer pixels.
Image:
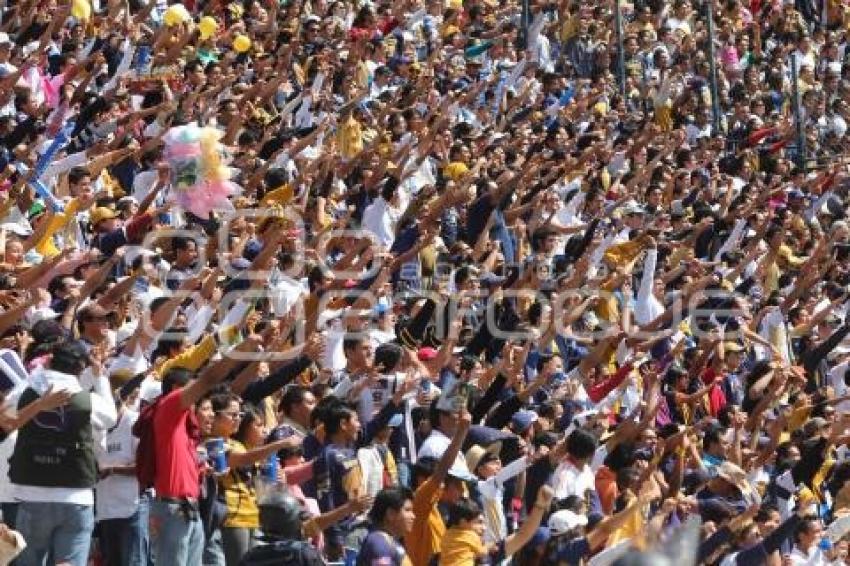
[
  {"x": 146, "y": 450},
  {"x": 294, "y": 552}
]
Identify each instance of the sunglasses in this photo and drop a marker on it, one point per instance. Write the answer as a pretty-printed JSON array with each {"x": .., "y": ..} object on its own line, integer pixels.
[{"x": 232, "y": 416}]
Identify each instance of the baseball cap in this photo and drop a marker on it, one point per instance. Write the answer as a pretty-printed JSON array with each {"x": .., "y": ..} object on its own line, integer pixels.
[
  {"x": 564, "y": 521},
  {"x": 40, "y": 314},
  {"x": 485, "y": 435},
  {"x": 461, "y": 473},
  {"x": 478, "y": 455},
  {"x": 522, "y": 420},
  {"x": 490, "y": 278},
  {"x": 733, "y": 347},
  {"x": 100, "y": 214},
  {"x": 426, "y": 354},
  {"x": 48, "y": 330},
  {"x": 150, "y": 390},
  {"x": 633, "y": 208},
  {"x": 734, "y": 475}
]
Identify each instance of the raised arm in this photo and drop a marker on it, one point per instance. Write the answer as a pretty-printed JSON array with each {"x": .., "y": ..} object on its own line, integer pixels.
[
  {"x": 214, "y": 373},
  {"x": 450, "y": 455},
  {"x": 520, "y": 538}
]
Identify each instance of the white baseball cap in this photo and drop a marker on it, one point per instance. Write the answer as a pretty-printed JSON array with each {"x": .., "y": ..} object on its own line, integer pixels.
[{"x": 564, "y": 521}]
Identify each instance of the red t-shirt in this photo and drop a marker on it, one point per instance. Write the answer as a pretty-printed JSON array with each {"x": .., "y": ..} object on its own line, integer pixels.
[
  {"x": 716, "y": 397},
  {"x": 177, "y": 472}
]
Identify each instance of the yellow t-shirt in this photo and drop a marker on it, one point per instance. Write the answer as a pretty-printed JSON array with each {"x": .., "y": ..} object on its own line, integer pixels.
[
  {"x": 239, "y": 494},
  {"x": 630, "y": 530},
  {"x": 619, "y": 255},
  {"x": 428, "y": 528},
  {"x": 57, "y": 223},
  {"x": 350, "y": 138},
  {"x": 664, "y": 115},
  {"x": 799, "y": 416},
  {"x": 569, "y": 28},
  {"x": 456, "y": 170},
  {"x": 192, "y": 358},
  {"x": 787, "y": 259},
  {"x": 461, "y": 547}
]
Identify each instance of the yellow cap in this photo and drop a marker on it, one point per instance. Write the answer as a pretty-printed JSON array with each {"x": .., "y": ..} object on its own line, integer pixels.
[
  {"x": 100, "y": 214},
  {"x": 281, "y": 195}
]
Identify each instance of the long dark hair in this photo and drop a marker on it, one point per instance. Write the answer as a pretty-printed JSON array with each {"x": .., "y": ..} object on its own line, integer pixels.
[{"x": 250, "y": 414}]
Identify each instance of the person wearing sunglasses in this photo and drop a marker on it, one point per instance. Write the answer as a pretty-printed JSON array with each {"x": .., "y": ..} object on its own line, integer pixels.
[{"x": 243, "y": 431}]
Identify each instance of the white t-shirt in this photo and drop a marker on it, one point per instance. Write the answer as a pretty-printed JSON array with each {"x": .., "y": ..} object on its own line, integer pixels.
[
  {"x": 814, "y": 557},
  {"x": 373, "y": 470},
  {"x": 569, "y": 480},
  {"x": 378, "y": 336},
  {"x": 285, "y": 293},
  {"x": 836, "y": 379},
  {"x": 372, "y": 399},
  {"x": 7, "y": 494},
  {"x": 117, "y": 496}
]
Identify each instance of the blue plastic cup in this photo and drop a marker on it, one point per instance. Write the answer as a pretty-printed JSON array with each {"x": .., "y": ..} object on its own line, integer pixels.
[
  {"x": 143, "y": 58},
  {"x": 217, "y": 456},
  {"x": 270, "y": 468}
]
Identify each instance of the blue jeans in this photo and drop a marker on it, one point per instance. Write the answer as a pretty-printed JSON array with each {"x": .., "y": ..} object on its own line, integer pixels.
[
  {"x": 177, "y": 539},
  {"x": 61, "y": 530},
  {"x": 10, "y": 514},
  {"x": 214, "y": 550},
  {"x": 236, "y": 542},
  {"x": 125, "y": 541}
]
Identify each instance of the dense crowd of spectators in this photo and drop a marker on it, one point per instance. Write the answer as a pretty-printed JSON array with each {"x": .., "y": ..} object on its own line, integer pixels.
[{"x": 496, "y": 282}]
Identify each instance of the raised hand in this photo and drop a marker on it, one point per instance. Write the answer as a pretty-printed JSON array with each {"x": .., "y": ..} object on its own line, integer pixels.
[{"x": 54, "y": 399}]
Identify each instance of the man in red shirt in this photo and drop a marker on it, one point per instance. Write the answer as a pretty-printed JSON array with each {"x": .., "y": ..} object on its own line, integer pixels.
[{"x": 177, "y": 534}]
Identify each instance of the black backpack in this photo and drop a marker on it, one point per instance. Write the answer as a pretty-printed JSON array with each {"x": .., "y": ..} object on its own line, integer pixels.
[
  {"x": 294, "y": 552},
  {"x": 146, "y": 449}
]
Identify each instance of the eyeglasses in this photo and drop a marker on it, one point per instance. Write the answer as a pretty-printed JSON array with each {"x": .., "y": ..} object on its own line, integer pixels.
[{"x": 231, "y": 415}]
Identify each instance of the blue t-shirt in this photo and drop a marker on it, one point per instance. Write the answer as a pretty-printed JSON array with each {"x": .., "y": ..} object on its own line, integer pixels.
[
  {"x": 380, "y": 549},
  {"x": 336, "y": 471},
  {"x": 569, "y": 552}
]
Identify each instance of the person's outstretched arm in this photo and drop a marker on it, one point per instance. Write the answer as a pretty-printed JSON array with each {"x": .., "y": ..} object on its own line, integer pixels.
[
  {"x": 771, "y": 543},
  {"x": 215, "y": 373},
  {"x": 450, "y": 455},
  {"x": 541, "y": 506},
  {"x": 47, "y": 402}
]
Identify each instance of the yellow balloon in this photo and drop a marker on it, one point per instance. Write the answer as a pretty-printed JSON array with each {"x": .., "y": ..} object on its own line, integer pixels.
[
  {"x": 175, "y": 15},
  {"x": 207, "y": 26},
  {"x": 241, "y": 43},
  {"x": 81, "y": 10}
]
